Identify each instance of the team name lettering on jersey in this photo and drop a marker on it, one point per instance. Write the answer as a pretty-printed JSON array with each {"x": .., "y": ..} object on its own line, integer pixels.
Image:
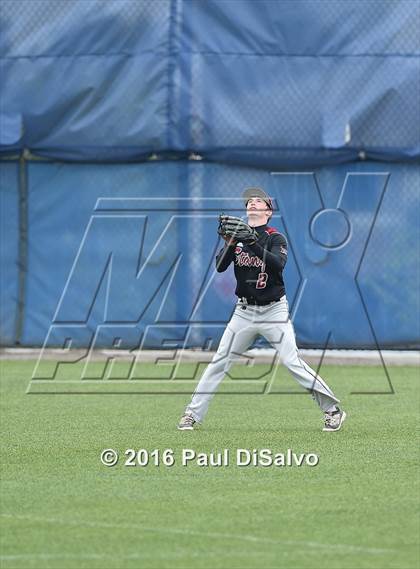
[{"x": 247, "y": 260}]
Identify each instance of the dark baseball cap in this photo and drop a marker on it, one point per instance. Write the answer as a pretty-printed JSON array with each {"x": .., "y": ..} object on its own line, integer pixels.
[{"x": 257, "y": 193}]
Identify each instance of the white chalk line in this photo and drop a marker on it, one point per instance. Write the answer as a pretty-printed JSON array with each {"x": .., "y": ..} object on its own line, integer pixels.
[{"x": 344, "y": 548}]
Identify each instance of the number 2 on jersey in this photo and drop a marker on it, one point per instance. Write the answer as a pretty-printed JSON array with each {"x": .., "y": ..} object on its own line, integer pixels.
[{"x": 262, "y": 280}]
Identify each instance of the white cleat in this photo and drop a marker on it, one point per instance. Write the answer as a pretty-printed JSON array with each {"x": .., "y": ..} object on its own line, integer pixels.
[
  {"x": 334, "y": 420},
  {"x": 187, "y": 422}
]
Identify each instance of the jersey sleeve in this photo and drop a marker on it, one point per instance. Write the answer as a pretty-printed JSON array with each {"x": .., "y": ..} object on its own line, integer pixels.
[
  {"x": 224, "y": 258},
  {"x": 275, "y": 256}
]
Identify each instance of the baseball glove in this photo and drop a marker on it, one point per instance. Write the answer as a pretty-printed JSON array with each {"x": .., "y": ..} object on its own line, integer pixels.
[{"x": 235, "y": 228}]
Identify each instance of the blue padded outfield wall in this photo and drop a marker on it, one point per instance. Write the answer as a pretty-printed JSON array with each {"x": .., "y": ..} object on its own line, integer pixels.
[
  {"x": 115, "y": 210},
  {"x": 127, "y": 126}
]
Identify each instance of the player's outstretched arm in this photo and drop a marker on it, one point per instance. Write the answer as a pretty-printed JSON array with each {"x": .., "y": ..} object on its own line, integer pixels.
[{"x": 225, "y": 257}]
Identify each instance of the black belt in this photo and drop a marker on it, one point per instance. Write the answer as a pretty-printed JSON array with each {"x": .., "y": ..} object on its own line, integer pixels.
[{"x": 255, "y": 302}]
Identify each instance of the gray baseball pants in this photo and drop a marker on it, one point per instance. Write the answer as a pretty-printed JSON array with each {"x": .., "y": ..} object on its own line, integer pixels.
[{"x": 273, "y": 322}]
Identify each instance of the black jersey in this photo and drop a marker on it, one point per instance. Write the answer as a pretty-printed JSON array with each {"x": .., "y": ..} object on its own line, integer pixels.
[{"x": 258, "y": 267}]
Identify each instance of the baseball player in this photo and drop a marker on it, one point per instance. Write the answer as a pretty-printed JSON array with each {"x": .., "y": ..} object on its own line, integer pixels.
[{"x": 259, "y": 254}]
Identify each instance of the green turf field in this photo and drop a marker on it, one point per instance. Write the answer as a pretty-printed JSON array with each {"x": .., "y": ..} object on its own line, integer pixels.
[{"x": 356, "y": 509}]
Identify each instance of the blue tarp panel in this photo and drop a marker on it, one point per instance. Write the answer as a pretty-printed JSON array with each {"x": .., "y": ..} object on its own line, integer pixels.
[
  {"x": 11, "y": 132},
  {"x": 267, "y": 84},
  {"x": 9, "y": 240},
  {"x": 128, "y": 252}
]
